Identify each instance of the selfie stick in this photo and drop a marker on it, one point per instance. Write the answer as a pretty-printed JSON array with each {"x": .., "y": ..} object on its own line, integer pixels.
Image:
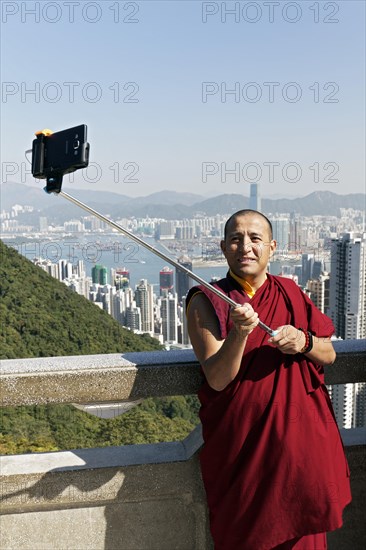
[
  {"x": 54, "y": 176},
  {"x": 161, "y": 255}
]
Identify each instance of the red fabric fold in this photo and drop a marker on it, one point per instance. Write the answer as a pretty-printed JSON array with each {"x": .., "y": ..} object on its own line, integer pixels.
[{"x": 273, "y": 462}]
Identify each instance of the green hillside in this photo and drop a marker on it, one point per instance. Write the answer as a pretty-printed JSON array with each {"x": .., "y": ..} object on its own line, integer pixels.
[{"x": 41, "y": 317}]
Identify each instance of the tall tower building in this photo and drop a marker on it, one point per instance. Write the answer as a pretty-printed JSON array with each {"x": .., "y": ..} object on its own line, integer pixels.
[
  {"x": 307, "y": 263},
  {"x": 133, "y": 317},
  {"x": 99, "y": 274},
  {"x": 145, "y": 301},
  {"x": 343, "y": 400},
  {"x": 348, "y": 286},
  {"x": 255, "y": 202},
  {"x": 360, "y": 405},
  {"x": 295, "y": 240},
  {"x": 318, "y": 268},
  {"x": 166, "y": 278},
  {"x": 185, "y": 335},
  {"x": 65, "y": 270},
  {"x": 121, "y": 277},
  {"x": 182, "y": 281},
  {"x": 319, "y": 292},
  {"x": 169, "y": 318},
  {"x": 281, "y": 232}
]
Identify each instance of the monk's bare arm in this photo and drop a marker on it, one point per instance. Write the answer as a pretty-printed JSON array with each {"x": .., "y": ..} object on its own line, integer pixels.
[
  {"x": 323, "y": 351},
  {"x": 220, "y": 359},
  {"x": 290, "y": 340}
]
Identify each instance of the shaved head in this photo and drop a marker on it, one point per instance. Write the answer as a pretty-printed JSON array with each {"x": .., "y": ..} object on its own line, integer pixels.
[{"x": 246, "y": 212}]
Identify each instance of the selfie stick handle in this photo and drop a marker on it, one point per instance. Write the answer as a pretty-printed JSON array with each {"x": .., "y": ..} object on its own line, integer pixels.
[{"x": 161, "y": 255}]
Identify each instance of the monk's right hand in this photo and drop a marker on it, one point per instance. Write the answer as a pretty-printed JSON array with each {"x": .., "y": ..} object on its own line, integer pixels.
[{"x": 245, "y": 319}]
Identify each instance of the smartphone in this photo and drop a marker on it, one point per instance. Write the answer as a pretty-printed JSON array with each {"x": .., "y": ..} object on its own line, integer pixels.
[{"x": 60, "y": 153}]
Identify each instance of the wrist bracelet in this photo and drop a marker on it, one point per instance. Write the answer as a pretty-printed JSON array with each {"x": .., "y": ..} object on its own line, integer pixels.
[{"x": 308, "y": 346}]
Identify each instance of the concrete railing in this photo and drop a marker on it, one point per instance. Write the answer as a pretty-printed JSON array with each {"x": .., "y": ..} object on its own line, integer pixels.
[{"x": 138, "y": 497}]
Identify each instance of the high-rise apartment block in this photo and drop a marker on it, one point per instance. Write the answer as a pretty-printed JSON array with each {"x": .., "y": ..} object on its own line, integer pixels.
[
  {"x": 295, "y": 237},
  {"x": 349, "y": 404},
  {"x": 64, "y": 270},
  {"x": 342, "y": 396},
  {"x": 133, "y": 317},
  {"x": 184, "y": 325},
  {"x": 348, "y": 312},
  {"x": 99, "y": 275},
  {"x": 165, "y": 230},
  {"x": 166, "y": 279},
  {"x": 145, "y": 301},
  {"x": 182, "y": 280},
  {"x": 348, "y": 285},
  {"x": 169, "y": 317},
  {"x": 319, "y": 291},
  {"x": 307, "y": 264},
  {"x": 360, "y": 405},
  {"x": 281, "y": 232},
  {"x": 121, "y": 277}
]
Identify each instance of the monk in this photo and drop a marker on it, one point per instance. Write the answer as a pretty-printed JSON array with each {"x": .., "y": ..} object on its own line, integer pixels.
[{"x": 273, "y": 462}]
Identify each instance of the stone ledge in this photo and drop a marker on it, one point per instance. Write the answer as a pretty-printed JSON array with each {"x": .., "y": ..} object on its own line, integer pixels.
[
  {"x": 102, "y": 457},
  {"x": 98, "y": 378},
  {"x": 141, "y": 507},
  {"x": 353, "y": 436},
  {"x": 131, "y": 376}
]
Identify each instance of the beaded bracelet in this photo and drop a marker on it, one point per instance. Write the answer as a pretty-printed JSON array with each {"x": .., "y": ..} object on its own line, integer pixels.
[{"x": 308, "y": 346}]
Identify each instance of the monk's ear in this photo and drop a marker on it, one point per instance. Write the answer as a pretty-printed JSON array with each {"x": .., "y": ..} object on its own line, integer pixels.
[
  {"x": 272, "y": 247},
  {"x": 223, "y": 246}
]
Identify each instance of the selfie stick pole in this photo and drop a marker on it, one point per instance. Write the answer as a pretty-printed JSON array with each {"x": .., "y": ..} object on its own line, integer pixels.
[{"x": 160, "y": 254}]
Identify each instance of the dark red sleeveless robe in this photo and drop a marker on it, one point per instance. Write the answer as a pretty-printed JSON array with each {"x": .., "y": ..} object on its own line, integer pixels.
[{"x": 273, "y": 462}]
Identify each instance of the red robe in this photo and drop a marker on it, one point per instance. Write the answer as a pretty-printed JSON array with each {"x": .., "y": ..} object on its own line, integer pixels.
[{"x": 273, "y": 462}]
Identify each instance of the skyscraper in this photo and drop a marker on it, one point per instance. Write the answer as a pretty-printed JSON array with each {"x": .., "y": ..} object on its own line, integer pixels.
[
  {"x": 182, "y": 281},
  {"x": 255, "y": 202},
  {"x": 144, "y": 300},
  {"x": 65, "y": 269},
  {"x": 166, "y": 280},
  {"x": 169, "y": 318},
  {"x": 281, "y": 231},
  {"x": 360, "y": 405},
  {"x": 121, "y": 277},
  {"x": 348, "y": 313},
  {"x": 319, "y": 292},
  {"x": 348, "y": 285},
  {"x": 133, "y": 317},
  {"x": 342, "y": 396},
  {"x": 99, "y": 274},
  {"x": 307, "y": 263},
  {"x": 295, "y": 232},
  {"x": 318, "y": 268},
  {"x": 185, "y": 335}
]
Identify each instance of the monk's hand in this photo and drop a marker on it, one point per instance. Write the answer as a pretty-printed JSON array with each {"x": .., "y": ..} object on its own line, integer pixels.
[
  {"x": 245, "y": 319},
  {"x": 289, "y": 339}
]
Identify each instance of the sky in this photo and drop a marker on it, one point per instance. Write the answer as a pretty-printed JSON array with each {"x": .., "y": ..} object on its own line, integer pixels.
[{"x": 190, "y": 96}]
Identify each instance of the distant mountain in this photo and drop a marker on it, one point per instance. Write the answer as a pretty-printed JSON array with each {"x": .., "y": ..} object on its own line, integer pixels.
[
  {"x": 18, "y": 193},
  {"x": 169, "y": 198},
  {"x": 323, "y": 203},
  {"x": 171, "y": 204}
]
